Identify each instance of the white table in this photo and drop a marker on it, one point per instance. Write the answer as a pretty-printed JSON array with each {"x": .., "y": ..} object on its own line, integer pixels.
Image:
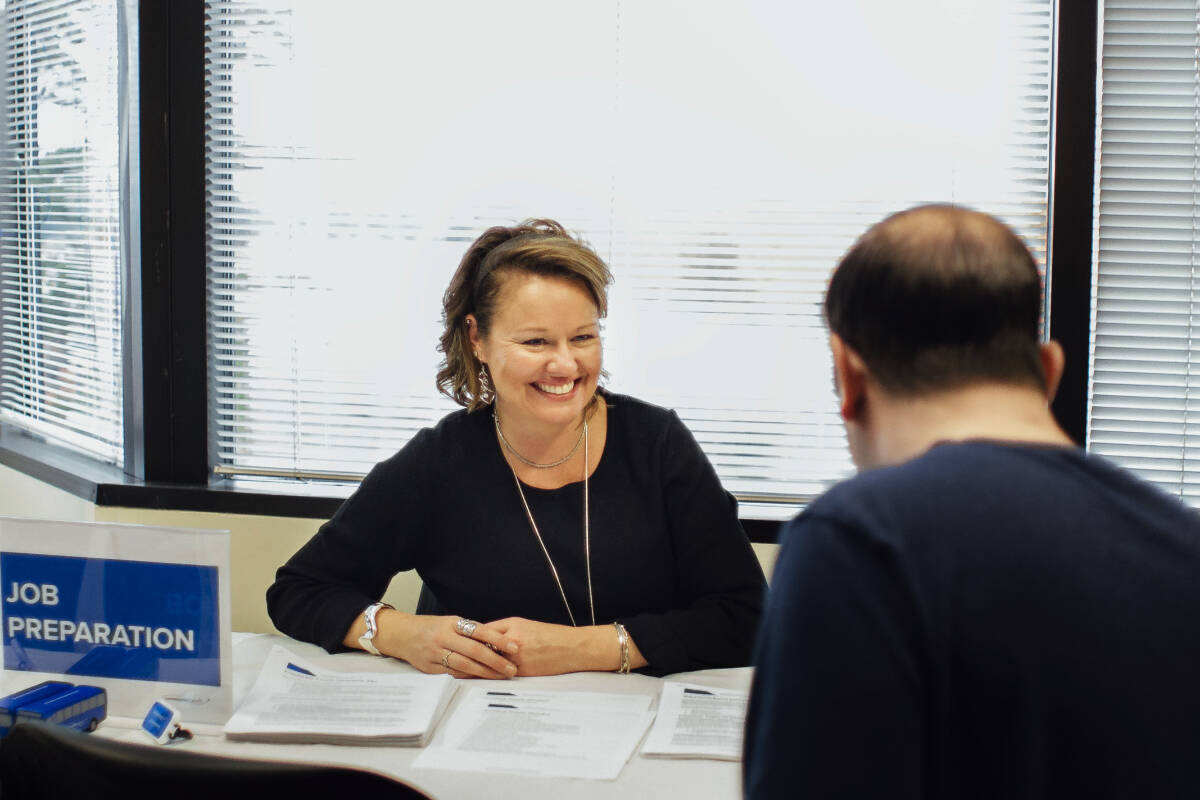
[{"x": 641, "y": 778}]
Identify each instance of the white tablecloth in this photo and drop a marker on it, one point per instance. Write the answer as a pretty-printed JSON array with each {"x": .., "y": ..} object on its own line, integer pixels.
[{"x": 641, "y": 778}]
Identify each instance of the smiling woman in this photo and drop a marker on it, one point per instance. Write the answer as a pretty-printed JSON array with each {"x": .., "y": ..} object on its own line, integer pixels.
[{"x": 587, "y": 530}]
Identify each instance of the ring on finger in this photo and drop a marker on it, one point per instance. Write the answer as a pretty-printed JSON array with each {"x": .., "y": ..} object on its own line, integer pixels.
[
  {"x": 446, "y": 659},
  {"x": 466, "y": 627}
]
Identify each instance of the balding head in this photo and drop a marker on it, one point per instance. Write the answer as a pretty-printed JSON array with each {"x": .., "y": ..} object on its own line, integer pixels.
[{"x": 939, "y": 297}]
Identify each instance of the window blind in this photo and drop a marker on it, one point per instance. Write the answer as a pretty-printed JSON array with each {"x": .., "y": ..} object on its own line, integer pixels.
[
  {"x": 1144, "y": 403},
  {"x": 60, "y": 255},
  {"x": 720, "y": 156}
]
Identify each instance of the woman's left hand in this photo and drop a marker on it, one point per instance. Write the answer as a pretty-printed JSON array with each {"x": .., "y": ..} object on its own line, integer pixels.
[{"x": 547, "y": 649}]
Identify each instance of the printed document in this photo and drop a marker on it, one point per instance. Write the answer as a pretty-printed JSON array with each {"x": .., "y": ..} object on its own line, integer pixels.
[
  {"x": 559, "y": 734},
  {"x": 295, "y": 701},
  {"x": 698, "y": 722}
]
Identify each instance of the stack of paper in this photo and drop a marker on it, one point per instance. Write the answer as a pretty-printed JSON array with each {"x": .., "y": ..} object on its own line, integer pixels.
[
  {"x": 294, "y": 701},
  {"x": 561, "y": 734},
  {"x": 698, "y": 722}
]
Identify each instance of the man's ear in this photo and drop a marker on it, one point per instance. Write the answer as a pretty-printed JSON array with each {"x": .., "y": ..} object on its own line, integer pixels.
[
  {"x": 1053, "y": 362},
  {"x": 850, "y": 379}
]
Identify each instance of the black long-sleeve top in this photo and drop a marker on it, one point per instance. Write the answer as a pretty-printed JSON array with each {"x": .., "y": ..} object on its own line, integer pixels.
[{"x": 669, "y": 558}]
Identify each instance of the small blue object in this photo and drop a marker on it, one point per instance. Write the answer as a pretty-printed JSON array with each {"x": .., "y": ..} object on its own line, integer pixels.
[
  {"x": 162, "y": 723},
  {"x": 81, "y": 707},
  {"x": 10, "y": 703}
]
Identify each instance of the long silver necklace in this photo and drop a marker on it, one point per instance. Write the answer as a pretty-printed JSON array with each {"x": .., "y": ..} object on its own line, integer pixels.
[
  {"x": 526, "y": 461},
  {"x": 587, "y": 548}
]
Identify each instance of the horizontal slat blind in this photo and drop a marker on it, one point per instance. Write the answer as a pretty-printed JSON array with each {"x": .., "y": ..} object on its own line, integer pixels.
[
  {"x": 60, "y": 346},
  {"x": 1144, "y": 399},
  {"x": 720, "y": 156}
]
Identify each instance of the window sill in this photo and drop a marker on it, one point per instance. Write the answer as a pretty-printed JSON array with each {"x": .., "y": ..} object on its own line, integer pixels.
[{"x": 108, "y": 485}]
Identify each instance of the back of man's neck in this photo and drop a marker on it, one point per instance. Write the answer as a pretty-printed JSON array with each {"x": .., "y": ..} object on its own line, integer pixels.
[{"x": 905, "y": 427}]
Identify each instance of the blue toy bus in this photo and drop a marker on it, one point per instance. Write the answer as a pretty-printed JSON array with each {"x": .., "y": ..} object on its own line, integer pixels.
[
  {"x": 79, "y": 707},
  {"x": 10, "y": 703}
]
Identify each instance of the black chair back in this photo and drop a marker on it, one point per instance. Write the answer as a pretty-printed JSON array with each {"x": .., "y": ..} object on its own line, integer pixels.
[{"x": 39, "y": 760}]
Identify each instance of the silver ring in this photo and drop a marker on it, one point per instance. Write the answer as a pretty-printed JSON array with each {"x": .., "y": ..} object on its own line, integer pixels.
[
  {"x": 446, "y": 659},
  {"x": 466, "y": 627}
]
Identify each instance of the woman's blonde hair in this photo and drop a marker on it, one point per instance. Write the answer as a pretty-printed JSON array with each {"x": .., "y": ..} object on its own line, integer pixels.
[{"x": 535, "y": 247}]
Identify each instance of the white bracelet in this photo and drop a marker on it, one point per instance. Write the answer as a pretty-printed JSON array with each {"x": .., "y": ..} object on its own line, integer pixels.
[
  {"x": 367, "y": 640},
  {"x": 623, "y": 640}
]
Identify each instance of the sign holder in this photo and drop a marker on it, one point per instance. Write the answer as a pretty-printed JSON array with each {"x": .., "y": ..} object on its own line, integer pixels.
[{"x": 143, "y": 611}]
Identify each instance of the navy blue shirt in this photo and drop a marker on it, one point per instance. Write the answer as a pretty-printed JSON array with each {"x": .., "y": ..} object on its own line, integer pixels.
[{"x": 986, "y": 620}]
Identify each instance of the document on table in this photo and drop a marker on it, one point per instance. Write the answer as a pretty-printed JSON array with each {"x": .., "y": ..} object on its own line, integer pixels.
[
  {"x": 698, "y": 722},
  {"x": 559, "y": 734},
  {"x": 295, "y": 701}
]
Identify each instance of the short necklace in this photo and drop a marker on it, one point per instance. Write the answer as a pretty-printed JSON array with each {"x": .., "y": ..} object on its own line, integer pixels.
[
  {"x": 587, "y": 549},
  {"x": 526, "y": 461}
]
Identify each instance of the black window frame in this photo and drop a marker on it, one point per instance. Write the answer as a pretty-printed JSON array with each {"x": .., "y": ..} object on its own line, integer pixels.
[{"x": 167, "y": 458}]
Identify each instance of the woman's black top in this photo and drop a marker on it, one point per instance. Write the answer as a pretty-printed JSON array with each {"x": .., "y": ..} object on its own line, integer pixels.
[{"x": 669, "y": 558}]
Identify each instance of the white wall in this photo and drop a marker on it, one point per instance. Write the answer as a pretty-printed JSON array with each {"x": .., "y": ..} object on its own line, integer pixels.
[
  {"x": 258, "y": 544},
  {"x": 22, "y": 496}
]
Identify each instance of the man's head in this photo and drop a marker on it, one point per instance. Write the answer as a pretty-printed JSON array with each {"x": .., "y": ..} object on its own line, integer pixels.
[
  {"x": 937, "y": 297},
  {"x": 928, "y": 303}
]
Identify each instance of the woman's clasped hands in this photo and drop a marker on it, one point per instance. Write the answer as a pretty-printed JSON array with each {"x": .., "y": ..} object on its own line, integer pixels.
[
  {"x": 501, "y": 649},
  {"x": 452, "y": 645}
]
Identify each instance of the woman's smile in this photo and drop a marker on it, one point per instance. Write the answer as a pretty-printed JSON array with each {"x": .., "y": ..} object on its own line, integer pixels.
[{"x": 555, "y": 389}]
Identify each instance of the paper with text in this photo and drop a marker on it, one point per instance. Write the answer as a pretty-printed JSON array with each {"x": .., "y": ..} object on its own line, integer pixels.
[
  {"x": 559, "y": 734},
  {"x": 698, "y": 722},
  {"x": 295, "y": 701}
]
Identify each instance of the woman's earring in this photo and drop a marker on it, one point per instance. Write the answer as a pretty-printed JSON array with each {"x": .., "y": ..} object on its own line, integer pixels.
[{"x": 486, "y": 395}]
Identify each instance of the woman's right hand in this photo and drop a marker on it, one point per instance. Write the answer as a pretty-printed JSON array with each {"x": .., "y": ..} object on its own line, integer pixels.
[{"x": 433, "y": 644}]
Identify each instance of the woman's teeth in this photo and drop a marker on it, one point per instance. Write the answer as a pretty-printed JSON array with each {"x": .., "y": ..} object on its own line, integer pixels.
[{"x": 556, "y": 389}]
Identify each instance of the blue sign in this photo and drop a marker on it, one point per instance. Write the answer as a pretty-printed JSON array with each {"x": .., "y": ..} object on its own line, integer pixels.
[{"x": 109, "y": 618}]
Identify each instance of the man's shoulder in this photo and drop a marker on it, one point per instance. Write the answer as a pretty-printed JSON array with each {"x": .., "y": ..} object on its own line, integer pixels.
[
  {"x": 995, "y": 481},
  {"x": 976, "y": 464},
  {"x": 913, "y": 480}
]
